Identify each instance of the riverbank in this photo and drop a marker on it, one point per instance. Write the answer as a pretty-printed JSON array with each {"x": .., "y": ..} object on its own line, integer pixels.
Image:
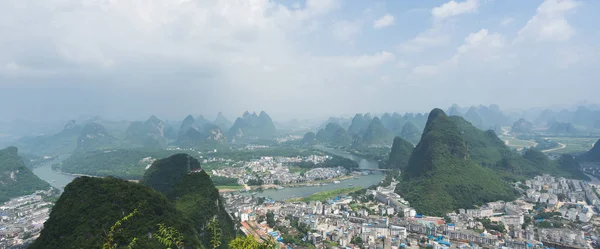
[{"x": 325, "y": 195}]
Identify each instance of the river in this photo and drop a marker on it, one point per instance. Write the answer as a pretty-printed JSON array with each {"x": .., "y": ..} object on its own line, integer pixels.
[
  {"x": 60, "y": 180},
  {"x": 55, "y": 178},
  {"x": 363, "y": 180}
]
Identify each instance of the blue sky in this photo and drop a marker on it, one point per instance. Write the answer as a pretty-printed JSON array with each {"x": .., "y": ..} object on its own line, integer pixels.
[{"x": 314, "y": 58}]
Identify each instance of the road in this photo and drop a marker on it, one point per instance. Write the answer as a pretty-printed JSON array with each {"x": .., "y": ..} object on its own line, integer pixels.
[{"x": 561, "y": 146}]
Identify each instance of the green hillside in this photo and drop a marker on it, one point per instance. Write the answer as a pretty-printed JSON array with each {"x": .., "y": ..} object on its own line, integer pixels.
[
  {"x": 121, "y": 163},
  {"x": 15, "y": 178},
  {"x": 89, "y": 206},
  {"x": 377, "y": 135},
  {"x": 400, "y": 154},
  {"x": 440, "y": 175},
  {"x": 333, "y": 134}
]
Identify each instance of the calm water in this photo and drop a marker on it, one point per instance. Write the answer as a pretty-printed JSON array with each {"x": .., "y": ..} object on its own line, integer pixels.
[
  {"x": 60, "y": 180},
  {"x": 56, "y": 179},
  {"x": 364, "y": 181}
]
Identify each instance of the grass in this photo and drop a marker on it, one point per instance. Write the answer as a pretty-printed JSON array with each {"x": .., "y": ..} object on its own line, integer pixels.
[
  {"x": 325, "y": 195},
  {"x": 230, "y": 187},
  {"x": 574, "y": 144}
]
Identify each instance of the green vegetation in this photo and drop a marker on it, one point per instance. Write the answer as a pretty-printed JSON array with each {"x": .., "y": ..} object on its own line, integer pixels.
[
  {"x": 252, "y": 126},
  {"x": 95, "y": 137},
  {"x": 236, "y": 187},
  {"x": 375, "y": 135},
  {"x": 496, "y": 226},
  {"x": 90, "y": 206},
  {"x": 310, "y": 138},
  {"x": 411, "y": 132},
  {"x": 122, "y": 163},
  {"x": 545, "y": 144},
  {"x": 15, "y": 178},
  {"x": 442, "y": 176},
  {"x": 165, "y": 173},
  {"x": 332, "y": 162},
  {"x": 522, "y": 126},
  {"x": 594, "y": 154},
  {"x": 224, "y": 181},
  {"x": 333, "y": 134},
  {"x": 456, "y": 165},
  {"x": 325, "y": 195},
  {"x": 60, "y": 143},
  {"x": 149, "y": 134},
  {"x": 400, "y": 154}
]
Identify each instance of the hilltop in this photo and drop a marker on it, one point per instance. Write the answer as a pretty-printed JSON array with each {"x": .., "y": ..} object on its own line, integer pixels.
[
  {"x": 441, "y": 177},
  {"x": 252, "y": 126},
  {"x": 376, "y": 135},
  {"x": 200, "y": 133},
  {"x": 95, "y": 137},
  {"x": 149, "y": 134},
  {"x": 400, "y": 154},
  {"x": 15, "y": 178},
  {"x": 174, "y": 191},
  {"x": 333, "y": 134},
  {"x": 62, "y": 142},
  {"x": 89, "y": 206},
  {"x": 453, "y": 158}
]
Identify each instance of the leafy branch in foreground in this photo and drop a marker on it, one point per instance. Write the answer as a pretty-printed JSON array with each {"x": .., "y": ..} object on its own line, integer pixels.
[
  {"x": 110, "y": 236},
  {"x": 169, "y": 236}
]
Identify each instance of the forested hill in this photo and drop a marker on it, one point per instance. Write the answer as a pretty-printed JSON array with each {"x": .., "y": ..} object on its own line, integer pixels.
[
  {"x": 456, "y": 165},
  {"x": 89, "y": 207},
  {"x": 181, "y": 179},
  {"x": 174, "y": 192},
  {"x": 15, "y": 178},
  {"x": 594, "y": 154},
  {"x": 440, "y": 175}
]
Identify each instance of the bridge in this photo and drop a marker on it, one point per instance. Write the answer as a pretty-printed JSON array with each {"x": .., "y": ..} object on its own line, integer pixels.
[{"x": 374, "y": 170}]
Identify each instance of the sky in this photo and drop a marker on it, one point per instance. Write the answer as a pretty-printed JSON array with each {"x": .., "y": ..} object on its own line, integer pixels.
[{"x": 128, "y": 59}]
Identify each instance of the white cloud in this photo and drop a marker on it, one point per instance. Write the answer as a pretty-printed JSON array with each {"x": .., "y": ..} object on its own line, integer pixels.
[
  {"x": 454, "y": 8},
  {"x": 362, "y": 61},
  {"x": 426, "y": 70},
  {"x": 482, "y": 44},
  {"x": 401, "y": 64},
  {"x": 346, "y": 30},
  {"x": 507, "y": 21},
  {"x": 549, "y": 23},
  {"x": 385, "y": 21},
  {"x": 431, "y": 38}
]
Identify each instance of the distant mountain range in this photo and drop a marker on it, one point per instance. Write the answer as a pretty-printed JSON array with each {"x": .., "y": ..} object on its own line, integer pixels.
[
  {"x": 199, "y": 133},
  {"x": 251, "y": 127}
]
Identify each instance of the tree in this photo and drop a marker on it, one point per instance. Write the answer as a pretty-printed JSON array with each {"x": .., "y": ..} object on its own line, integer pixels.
[
  {"x": 250, "y": 242},
  {"x": 271, "y": 219},
  {"x": 356, "y": 240}
]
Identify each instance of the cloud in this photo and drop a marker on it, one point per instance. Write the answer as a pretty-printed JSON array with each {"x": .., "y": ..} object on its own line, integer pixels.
[
  {"x": 454, "y": 8},
  {"x": 426, "y": 70},
  {"x": 482, "y": 45},
  {"x": 549, "y": 22},
  {"x": 507, "y": 21},
  {"x": 430, "y": 38},
  {"x": 362, "y": 61},
  {"x": 401, "y": 64},
  {"x": 346, "y": 30},
  {"x": 384, "y": 21},
  {"x": 478, "y": 47}
]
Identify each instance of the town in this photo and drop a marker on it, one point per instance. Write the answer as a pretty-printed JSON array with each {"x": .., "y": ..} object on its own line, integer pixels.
[
  {"x": 552, "y": 213},
  {"x": 22, "y": 218}
]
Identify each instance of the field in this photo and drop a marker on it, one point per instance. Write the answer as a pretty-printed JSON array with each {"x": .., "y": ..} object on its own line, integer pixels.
[
  {"x": 574, "y": 145},
  {"x": 322, "y": 196},
  {"x": 231, "y": 187},
  {"x": 516, "y": 143}
]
